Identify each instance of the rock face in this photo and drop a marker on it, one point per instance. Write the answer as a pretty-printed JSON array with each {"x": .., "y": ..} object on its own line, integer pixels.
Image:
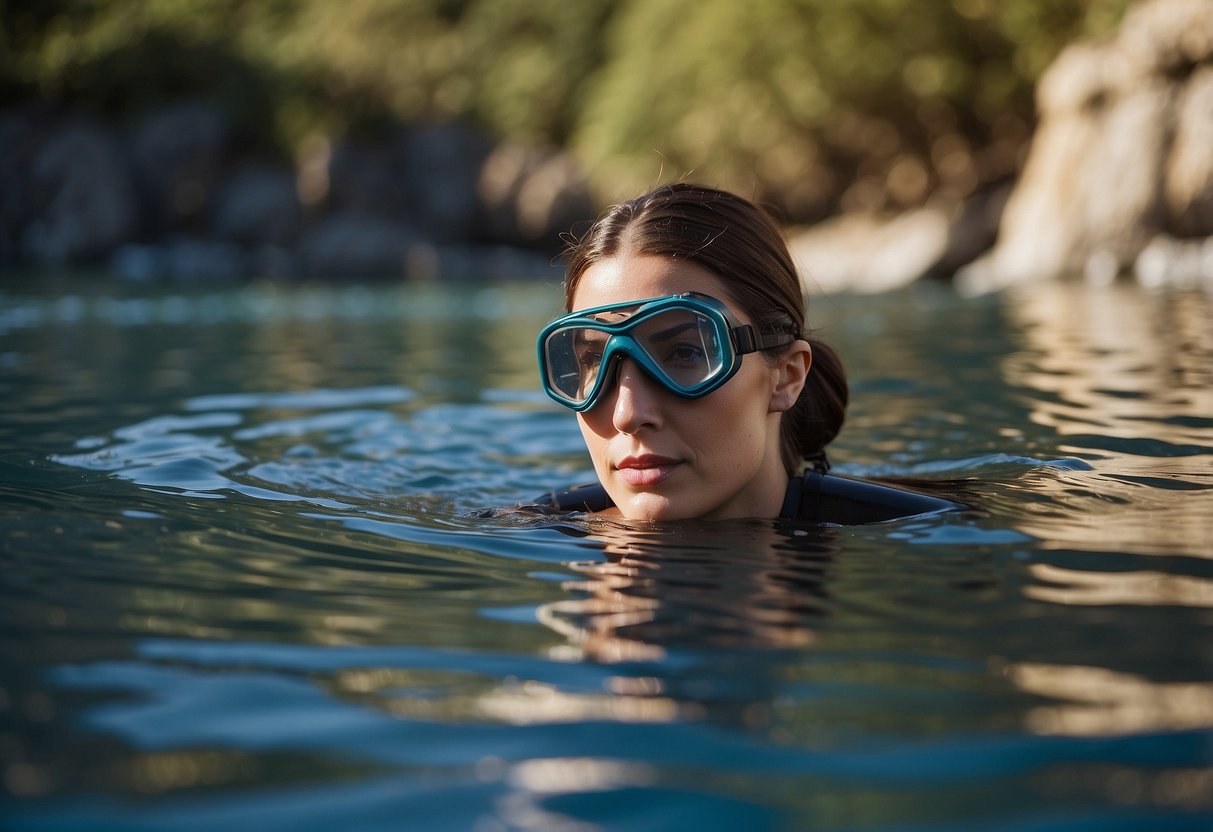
[
  {"x": 442, "y": 164},
  {"x": 1122, "y": 161},
  {"x": 867, "y": 254},
  {"x": 177, "y": 198},
  {"x": 533, "y": 194},
  {"x": 258, "y": 206},
  {"x": 81, "y": 197},
  {"x": 352, "y": 246},
  {"x": 1189, "y": 172},
  {"x": 860, "y": 253},
  {"x": 178, "y": 154}
]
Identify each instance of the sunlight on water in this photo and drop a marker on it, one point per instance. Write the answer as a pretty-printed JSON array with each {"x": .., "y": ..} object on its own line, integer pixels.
[
  {"x": 1128, "y": 388},
  {"x": 255, "y": 576}
]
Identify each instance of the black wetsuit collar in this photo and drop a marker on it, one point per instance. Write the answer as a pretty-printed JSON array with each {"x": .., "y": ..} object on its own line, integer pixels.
[{"x": 811, "y": 497}]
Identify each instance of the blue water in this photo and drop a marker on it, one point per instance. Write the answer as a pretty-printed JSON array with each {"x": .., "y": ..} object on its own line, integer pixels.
[{"x": 248, "y": 580}]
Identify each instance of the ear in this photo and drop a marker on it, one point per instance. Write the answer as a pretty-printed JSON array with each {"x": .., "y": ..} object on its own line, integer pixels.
[{"x": 791, "y": 373}]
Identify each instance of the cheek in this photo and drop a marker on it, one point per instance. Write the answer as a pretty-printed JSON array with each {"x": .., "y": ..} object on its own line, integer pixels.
[
  {"x": 741, "y": 425},
  {"x": 595, "y": 441},
  {"x": 587, "y": 430},
  {"x": 749, "y": 401},
  {"x": 731, "y": 425},
  {"x": 595, "y": 424}
]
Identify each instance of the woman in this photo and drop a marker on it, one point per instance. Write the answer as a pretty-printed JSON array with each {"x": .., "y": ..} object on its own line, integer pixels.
[{"x": 668, "y": 295}]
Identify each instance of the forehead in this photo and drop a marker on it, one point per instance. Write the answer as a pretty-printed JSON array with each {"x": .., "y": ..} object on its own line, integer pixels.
[{"x": 636, "y": 277}]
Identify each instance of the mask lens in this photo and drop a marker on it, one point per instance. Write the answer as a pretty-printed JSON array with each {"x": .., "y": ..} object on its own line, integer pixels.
[
  {"x": 574, "y": 357},
  {"x": 683, "y": 344}
]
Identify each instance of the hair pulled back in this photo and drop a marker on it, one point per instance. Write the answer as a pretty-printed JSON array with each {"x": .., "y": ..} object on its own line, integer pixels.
[{"x": 742, "y": 245}]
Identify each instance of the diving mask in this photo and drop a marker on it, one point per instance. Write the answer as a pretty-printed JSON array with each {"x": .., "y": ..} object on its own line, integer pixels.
[{"x": 689, "y": 343}]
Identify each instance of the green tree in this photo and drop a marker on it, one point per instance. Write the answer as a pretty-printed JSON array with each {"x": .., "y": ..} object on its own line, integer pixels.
[
  {"x": 813, "y": 105},
  {"x": 809, "y": 105}
]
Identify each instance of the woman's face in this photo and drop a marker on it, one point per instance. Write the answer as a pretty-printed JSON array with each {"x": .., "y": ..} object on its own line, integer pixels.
[{"x": 664, "y": 457}]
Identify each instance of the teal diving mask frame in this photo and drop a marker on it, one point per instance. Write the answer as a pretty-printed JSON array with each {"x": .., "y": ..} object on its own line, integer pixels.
[{"x": 690, "y": 344}]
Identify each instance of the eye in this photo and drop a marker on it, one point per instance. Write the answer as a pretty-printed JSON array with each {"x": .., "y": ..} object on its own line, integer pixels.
[
  {"x": 588, "y": 357},
  {"x": 685, "y": 353}
]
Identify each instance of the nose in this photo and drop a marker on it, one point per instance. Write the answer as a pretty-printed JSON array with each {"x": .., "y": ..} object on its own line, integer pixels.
[{"x": 635, "y": 404}]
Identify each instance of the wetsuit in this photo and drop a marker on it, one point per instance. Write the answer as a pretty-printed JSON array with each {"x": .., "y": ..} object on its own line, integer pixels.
[{"x": 811, "y": 497}]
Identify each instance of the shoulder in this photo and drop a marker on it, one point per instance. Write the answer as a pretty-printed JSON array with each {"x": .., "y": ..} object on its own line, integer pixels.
[
  {"x": 811, "y": 497},
  {"x": 826, "y": 498},
  {"x": 591, "y": 497}
]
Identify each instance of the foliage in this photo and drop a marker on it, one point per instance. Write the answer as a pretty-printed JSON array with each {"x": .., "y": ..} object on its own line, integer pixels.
[
  {"x": 811, "y": 105},
  {"x": 814, "y": 104}
]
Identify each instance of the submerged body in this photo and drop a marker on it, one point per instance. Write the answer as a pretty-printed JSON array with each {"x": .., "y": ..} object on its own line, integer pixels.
[{"x": 812, "y": 497}]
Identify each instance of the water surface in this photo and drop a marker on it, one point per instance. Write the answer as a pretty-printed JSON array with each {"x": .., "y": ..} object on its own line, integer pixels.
[{"x": 248, "y": 583}]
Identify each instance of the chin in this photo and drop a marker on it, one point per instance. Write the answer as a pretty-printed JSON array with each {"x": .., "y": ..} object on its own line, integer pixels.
[
  {"x": 652, "y": 507},
  {"x": 643, "y": 506}
]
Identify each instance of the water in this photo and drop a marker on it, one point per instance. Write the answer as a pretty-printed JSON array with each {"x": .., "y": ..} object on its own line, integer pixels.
[{"x": 247, "y": 583}]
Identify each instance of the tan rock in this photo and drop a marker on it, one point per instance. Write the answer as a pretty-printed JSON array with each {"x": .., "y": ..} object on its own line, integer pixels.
[
  {"x": 869, "y": 254},
  {"x": 1122, "y": 154},
  {"x": 1189, "y": 173}
]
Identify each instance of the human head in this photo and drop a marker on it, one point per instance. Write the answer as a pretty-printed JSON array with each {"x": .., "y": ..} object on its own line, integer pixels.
[{"x": 739, "y": 243}]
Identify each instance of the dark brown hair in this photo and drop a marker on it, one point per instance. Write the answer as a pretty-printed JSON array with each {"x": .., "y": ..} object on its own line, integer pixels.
[{"x": 742, "y": 245}]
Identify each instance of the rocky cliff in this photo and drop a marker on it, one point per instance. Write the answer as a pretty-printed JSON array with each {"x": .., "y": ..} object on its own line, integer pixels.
[{"x": 1119, "y": 178}]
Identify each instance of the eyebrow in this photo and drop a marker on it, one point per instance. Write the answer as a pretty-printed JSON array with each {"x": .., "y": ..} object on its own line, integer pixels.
[
  {"x": 671, "y": 332},
  {"x": 583, "y": 333},
  {"x": 582, "y": 336}
]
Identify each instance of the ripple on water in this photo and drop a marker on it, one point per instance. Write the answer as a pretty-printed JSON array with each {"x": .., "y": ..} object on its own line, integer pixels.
[{"x": 262, "y": 593}]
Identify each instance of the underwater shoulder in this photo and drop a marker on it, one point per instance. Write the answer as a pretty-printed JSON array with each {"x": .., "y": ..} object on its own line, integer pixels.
[{"x": 811, "y": 497}]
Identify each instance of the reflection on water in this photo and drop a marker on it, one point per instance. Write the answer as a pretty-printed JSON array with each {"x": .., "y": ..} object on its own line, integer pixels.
[
  {"x": 1122, "y": 378},
  {"x": 1101, "y": 702},
  {"x": 1115, "y": 359},
  {"x": 736, "y": 585},
  {"x": 1147, "y": 588},
  {"x": 247, "y": 579}
]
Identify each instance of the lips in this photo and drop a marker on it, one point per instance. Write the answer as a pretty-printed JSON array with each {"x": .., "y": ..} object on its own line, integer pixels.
[{"x": 646, "y": 469}]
